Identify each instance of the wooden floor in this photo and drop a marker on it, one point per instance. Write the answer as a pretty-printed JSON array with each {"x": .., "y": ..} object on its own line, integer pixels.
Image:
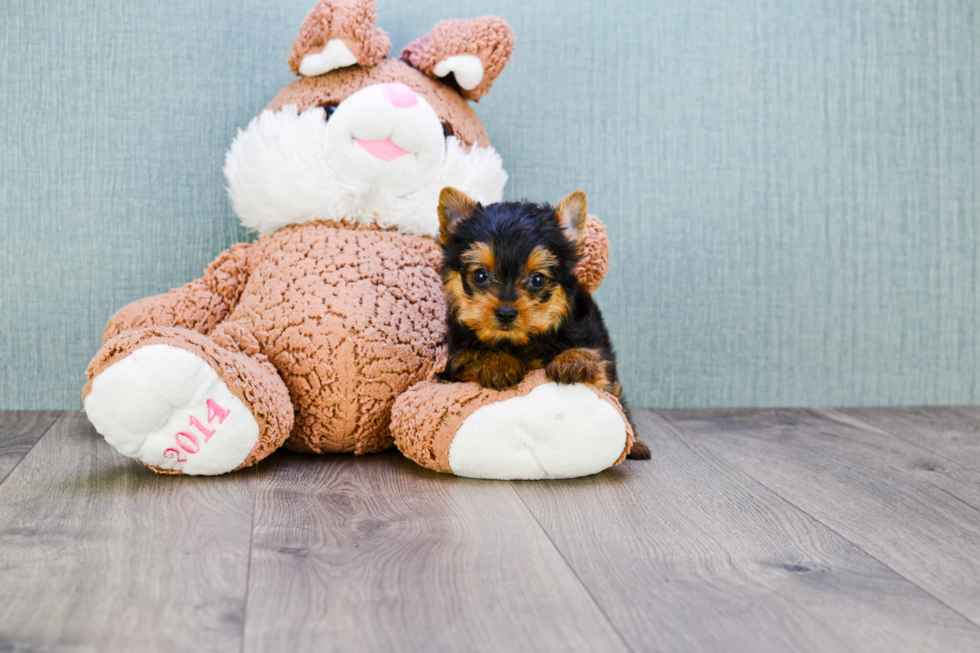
[{"x": 781, "y": 530}]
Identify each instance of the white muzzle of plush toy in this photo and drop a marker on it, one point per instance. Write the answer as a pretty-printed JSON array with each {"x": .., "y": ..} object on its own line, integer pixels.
[
  {"x": 381, "y": 157},
  {"x": 385, "y": 137}
]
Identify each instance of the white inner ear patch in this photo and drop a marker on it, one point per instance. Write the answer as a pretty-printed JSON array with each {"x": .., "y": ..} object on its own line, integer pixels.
[
  {"x": 335, "y": 55},
  {"x": 468, "y": 69}
]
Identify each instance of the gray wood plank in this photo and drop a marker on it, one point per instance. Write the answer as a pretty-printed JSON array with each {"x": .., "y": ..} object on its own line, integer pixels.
[
  {"x": 377, "y": 554},
  {"x": 906, "y": 506},
  {"x": 99, "y": 553},
  {"x": 19, "y": 430},
  {"x": 686, "y": 553},
  {"x": 952, "y": 432}
]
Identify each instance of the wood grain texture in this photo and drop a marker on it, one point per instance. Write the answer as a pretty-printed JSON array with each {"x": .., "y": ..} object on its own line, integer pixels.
[
  {"x": 748, "y": 531},
  {"x": 913, "y": 510},
  {"x": 951, "y": 432},
  {"x": 686, "y": 553},
  {"x": 19, "y": 431},
  {"x": 98, "y": 553},
  {"x": 377, "y": 554}
]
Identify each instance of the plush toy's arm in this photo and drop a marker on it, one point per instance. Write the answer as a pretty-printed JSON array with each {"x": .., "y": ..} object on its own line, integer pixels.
[
  {"x": 200, "y": 305},
  {"x": 594, "y": 264}
]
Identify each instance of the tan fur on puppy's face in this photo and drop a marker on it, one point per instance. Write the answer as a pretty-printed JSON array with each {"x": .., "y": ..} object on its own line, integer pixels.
[
  {"x": 480, "y": 255},
  {"x": 537, "y": 312},
  {"x": 540, "y": 260},
  {"x": 536, "y": 316}
]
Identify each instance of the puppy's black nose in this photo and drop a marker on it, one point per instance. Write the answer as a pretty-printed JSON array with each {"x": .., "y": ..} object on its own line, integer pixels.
[{"x": 506, "y": 314}]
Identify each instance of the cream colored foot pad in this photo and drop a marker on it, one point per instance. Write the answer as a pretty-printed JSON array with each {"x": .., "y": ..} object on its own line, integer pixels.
[
  {"x": 555, "y": 431},
  {"x": 167, "y": 407}
]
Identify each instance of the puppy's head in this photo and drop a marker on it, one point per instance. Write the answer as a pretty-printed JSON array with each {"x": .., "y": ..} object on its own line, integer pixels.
[{"x": 507, "y": 267}]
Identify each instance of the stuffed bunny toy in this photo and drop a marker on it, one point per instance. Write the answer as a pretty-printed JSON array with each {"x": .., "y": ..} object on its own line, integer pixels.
[{"x": 323, "y": 335}]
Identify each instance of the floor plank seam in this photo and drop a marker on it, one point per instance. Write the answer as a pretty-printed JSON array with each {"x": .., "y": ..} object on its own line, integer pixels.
[
  {"x": 251, "y": 541},
  {"x": 955, "y": 498},
  {"x": 27, "y": 453},
  {"x": 818, "y": 521},
  {"x": 828, "y": 413},
  {"x": 724, "y": 464},
  {"x": 598, "y": 605}
]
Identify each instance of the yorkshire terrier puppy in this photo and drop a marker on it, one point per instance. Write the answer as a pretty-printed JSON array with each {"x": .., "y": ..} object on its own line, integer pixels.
[{"x": 514, "y": 303}]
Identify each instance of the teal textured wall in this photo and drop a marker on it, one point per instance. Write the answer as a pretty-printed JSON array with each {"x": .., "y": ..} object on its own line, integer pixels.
[{"x": 791, "y": 188}]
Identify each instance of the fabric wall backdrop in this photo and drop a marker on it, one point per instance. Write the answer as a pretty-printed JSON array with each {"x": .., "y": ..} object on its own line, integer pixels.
[{"x": 791, "y": 188}]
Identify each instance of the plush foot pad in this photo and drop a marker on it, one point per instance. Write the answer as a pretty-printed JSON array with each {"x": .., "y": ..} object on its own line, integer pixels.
[
  {"x": 554, "y": 431},
  {"x": 536, "y": 430},
  {"x": 168, "y": 408}
]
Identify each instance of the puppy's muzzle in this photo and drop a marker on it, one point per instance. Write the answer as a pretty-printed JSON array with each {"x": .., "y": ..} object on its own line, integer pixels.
[{"x": 505, "y": 314}]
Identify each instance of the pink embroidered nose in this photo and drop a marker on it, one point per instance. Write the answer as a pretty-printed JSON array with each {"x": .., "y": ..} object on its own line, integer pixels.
[{"x": 400, "y": 95}]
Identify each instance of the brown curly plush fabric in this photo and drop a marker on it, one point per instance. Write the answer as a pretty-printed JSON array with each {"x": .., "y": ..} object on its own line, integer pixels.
[
  {"x": 488, "y": 37},
  {"x": 199, "y": 305},
  {"x": 425, "y": 418},
  {"x": 349, "y": 317},
  {"x": 349, "y": 20},
  {"x": 594, "y": 264},
  {"x": 249, "y": 376},
  {"x": 345, "y": 317}
]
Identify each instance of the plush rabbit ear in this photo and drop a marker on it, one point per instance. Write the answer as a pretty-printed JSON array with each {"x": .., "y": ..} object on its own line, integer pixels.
[
  {"x": 338, "y": 33},
  {"x": 472, "y": 52}
]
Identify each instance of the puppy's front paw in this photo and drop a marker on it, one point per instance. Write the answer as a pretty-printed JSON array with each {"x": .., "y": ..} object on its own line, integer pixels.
[
  {"x": 499, "y": 371},
  {"x": 445, "y": 376},
  {"x": 578, "y": 366}
]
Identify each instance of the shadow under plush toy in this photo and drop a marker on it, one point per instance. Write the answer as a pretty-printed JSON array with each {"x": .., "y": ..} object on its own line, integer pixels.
[{"x": 324, "y": 334}]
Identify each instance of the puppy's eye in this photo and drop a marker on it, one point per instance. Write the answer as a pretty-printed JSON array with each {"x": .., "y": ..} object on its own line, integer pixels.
[
  {"x": 447, "y": 130},
  {"x": 481, "y": 277},
  {"x": 537, "y": 281},
  {"x": 329, "y": 109}
]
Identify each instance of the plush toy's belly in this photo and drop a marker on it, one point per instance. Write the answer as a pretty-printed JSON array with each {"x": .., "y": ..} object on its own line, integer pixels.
[{"x": 351, "y": 318}]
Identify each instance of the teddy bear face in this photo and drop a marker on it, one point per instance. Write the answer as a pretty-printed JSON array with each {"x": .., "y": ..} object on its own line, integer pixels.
[
  {"x": 331, "y": 89},
  {"x": 369, "y": 141},
  {"x": 384, "y": 136}
]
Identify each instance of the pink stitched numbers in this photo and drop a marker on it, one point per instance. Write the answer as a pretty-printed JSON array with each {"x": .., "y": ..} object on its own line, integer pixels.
[
  {"x": 188, "y": 442},
  {"x": 214, "y": 410},
  {"x": 203, "y": 429}
]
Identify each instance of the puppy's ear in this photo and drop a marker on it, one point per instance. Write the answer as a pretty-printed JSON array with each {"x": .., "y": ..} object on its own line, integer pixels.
[
  {"x": 454, "y": 207},
  {"x": 336, "y": 34},
  {"x": 571, "y": 214},
  {"x": 470, "y": 52}
]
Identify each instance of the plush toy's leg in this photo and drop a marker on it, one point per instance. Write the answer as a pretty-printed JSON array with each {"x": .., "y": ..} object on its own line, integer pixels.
[
  {"x": 180, "y": 402},
  {"x": 537, "y": 429}
]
